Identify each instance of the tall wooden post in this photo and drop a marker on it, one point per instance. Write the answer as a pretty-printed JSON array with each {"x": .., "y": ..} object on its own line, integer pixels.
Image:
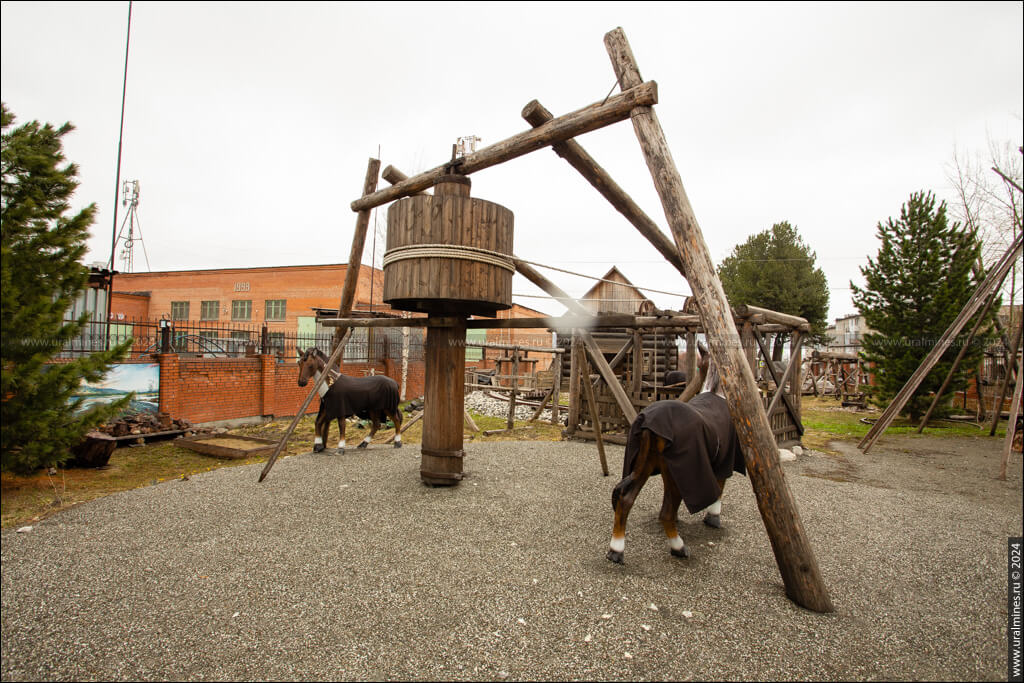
[
  {"x": 355, "y": 256},
  {"x": 556, "y": 386},
  {"x": 691, "y": 357},
  {"x": 443, "y": 404},
  {"x": 793, "y": 552},
  {"x": 575, "y": 393}
]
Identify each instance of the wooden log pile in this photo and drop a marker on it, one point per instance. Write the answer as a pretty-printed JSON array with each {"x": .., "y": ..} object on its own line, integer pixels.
[{"x": 144, "y": 423}]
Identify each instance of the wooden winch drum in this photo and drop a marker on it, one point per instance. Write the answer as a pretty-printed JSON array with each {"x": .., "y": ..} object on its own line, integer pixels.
[{"x": 448, "y": 253}]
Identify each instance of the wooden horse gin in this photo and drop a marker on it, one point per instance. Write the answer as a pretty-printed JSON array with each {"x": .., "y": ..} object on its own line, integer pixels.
[{"x": 447, "y": 255}]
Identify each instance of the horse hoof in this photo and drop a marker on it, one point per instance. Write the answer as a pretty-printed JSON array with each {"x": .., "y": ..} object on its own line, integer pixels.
[
  {"x": 398, "y": 444},
  {"x": 362, "y": 444},
  {"x": 683, "y": 552},
  {"x": 615, "y": 557},
  {"x": 714, "y": 521},
  {"x": 318, "y": 448}
]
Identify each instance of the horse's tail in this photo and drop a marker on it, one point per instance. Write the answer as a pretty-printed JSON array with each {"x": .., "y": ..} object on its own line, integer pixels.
[{"x": 626, "y": 483}]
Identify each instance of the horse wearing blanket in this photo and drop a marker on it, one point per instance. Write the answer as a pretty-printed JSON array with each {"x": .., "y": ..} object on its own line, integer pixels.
[
  {"x": 693, "y": 446},
  {"x": 374, "y": 398}
]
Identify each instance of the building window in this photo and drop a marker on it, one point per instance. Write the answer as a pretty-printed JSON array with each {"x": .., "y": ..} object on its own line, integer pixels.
[
  {"x": 239, "y": 340},
  {"x": 274, "y": 309},
  {"x": 209, "y": 310},
  {"x": 179, "y": 310},
  {"x": 241, "y": 309}
]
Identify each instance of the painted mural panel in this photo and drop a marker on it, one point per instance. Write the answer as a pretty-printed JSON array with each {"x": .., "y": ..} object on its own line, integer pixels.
[{"x": 122, "y": 379}]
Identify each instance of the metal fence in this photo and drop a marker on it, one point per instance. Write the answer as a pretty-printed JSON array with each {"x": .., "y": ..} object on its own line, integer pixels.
[{"x": 205, "y": 339}]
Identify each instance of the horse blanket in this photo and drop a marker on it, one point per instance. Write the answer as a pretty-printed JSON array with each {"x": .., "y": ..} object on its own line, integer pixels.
[
  {"x": 358, "y": 395},
  {"x": 702, "y": 446}
]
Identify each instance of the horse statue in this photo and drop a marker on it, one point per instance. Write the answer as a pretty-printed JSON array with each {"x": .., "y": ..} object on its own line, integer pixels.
[
  {"x": 693, "y": 445},
  {"x": 374, "y": 398}
]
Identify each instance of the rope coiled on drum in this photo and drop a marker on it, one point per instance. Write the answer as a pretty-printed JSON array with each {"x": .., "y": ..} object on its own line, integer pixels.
[{"x": 450, "y": 251}]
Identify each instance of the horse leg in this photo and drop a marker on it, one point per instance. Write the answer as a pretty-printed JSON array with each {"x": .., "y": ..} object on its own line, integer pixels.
[
  {"x": 320, "y": 431},
  {"x": 713, "y": 512},
  {"x": 341, "y": 437},
  {"x": 396, "y": 417},
  {"x": 668, "y": 515},
  {"x": 626, "y": 491},
  {"x": 374, "y": 425}
]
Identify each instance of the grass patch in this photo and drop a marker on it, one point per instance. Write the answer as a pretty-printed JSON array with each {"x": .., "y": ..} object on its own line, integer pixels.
[{"x": 826, "y": 420}]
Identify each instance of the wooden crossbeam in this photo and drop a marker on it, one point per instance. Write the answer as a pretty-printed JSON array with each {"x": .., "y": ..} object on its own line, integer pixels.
[{"x": 592, "y": 117}]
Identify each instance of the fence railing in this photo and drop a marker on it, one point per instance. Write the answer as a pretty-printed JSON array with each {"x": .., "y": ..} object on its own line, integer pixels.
[{"x": 232, "y": 340}]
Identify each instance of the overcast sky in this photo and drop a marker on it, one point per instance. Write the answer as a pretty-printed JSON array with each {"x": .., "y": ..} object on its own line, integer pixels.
[{"x": 249, "y": 125}]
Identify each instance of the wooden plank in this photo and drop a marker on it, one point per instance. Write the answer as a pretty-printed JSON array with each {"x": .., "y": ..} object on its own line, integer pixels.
[
  {"x": 598, "y": 115},
  {"x": 556, "y": 388},
  {"x": 992, "y": 281},
  {"x": 575, "y": 372},
  {"x": 793, "y": 553}
]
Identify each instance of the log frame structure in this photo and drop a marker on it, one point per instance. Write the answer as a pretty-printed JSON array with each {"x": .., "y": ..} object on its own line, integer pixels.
[{"x": 690, "y": 255}]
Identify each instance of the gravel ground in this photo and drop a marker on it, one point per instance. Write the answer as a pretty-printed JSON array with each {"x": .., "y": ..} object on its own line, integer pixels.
[{"x": 348, "y": 568}]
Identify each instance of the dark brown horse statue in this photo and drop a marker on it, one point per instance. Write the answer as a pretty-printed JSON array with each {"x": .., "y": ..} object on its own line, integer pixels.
[
  {"x": 374, "y": 398},
  {"x": 694, "y": 447}
]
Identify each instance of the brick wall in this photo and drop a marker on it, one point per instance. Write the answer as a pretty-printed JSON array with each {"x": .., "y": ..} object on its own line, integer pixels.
[{"x": 214, "y": 389}]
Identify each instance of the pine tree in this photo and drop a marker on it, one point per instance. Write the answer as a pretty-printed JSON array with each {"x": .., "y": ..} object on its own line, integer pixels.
[
  {"x": 40, "y": 276},
  {"x": 774, "y": 269},
  {"x": 915, "y": 287}
]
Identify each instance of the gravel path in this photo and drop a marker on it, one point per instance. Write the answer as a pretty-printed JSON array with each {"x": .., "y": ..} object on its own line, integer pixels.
[{"x": 348, "y": 568}]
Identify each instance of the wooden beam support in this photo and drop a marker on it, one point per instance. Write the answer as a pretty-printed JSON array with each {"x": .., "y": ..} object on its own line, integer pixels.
[
  {"x": 956, "y": 362},
  {"x": 793, "y": 552},
  {"x": 787, "y": 376},
  {"x": 1011, "y": 427},
  {"x": 997, "y": 406},
  {"x": 595, "y": 419},
  {"x": 992, "y": 281},
  {"x": 331, "y": 362},
  {"x": 355, "y": 256},
  {"x": 612, "y": 110},
  {"x": 394, "y": 176},
  {"x": 570, "y": 150},
  {"x": 593, "y": 350},
  {"x": 779, "y": 381},
  {"x": 770, "y": 316}
]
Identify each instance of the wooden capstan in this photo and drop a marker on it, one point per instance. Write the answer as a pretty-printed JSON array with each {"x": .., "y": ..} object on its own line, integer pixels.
[
  {"x": 448, "y": 254},
  {"x": 686, "y": 250}
]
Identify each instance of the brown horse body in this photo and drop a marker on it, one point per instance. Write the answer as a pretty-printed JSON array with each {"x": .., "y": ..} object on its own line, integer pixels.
[
  {"x": 694, "y": 447},
  {"x": 375, "y": 398}
]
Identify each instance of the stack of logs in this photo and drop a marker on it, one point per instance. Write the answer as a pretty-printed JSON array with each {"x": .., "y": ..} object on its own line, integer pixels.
[{"x": 144, "y": 423}]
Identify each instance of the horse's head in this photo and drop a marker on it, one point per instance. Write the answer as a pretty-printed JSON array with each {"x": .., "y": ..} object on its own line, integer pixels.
[{"x": 308, "y": 365}]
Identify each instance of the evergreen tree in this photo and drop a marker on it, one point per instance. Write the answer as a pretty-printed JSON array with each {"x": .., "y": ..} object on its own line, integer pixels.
[
  {"x": 40, "y": 276},
  {"x": 915, "y": 287},
  {"x": 774, "y": 269}
]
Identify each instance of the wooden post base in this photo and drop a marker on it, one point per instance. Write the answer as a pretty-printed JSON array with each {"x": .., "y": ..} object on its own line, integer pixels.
[{"x": 443, "y": 405}]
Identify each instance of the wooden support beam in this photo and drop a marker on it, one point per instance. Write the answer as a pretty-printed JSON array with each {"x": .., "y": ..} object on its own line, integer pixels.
[
  {"x": 1011, "y": 427},
  {"x": 565, "y": 322},
  {"x": 779, "y": 381},
  {"x": 575, "y": 377},
  {"x": 470, "y": 424},
  {"x": 355, "y": 256},
  {"x": 956, "y": 362},
  {"x": 513, "y": 347},
  {"x": 612, "y": 110},
  {"x": 556, "y": 387},
  {"x": 515, "y": 390},
  {"x": 780, "y": 392},
  {"x": 331, "y": 362},
  {"x": 394, "y": 176},
  {"x": 543, "y": 402},
  {"x": 992, "y": 281},
  {"x": 793, "y": 552},
  {"x": 570, "y": 150},
  {"x": 997, "y": 406},
  {"x": 770, "y": 316},
  {"x": 593, "y": 350},
  {"x": 595, "y": 419}
]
